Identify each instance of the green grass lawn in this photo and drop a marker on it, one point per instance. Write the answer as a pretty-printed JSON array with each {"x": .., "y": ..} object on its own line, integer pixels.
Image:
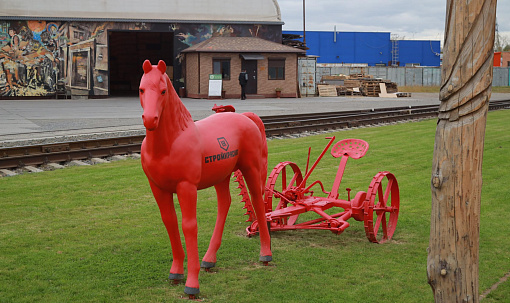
[{"x": 94, "y": 234}]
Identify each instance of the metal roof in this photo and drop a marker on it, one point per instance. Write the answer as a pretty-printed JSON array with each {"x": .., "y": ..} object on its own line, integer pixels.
[
  {"x": 231, "y": 11},
  {"x": 241, "y": 45}
]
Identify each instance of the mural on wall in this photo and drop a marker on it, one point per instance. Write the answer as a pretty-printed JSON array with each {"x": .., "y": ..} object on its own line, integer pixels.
[
  {"x": 35, "y": 55},
  {"x": 29, "y": 57}
]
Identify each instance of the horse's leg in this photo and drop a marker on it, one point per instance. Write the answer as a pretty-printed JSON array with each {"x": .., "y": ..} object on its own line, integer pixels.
[
  {"x": 253, "y": 181},
  {"x": 187, "y": 195},
  {"x": 167, "y": 209},
  {"x": 224, "y": 200}
]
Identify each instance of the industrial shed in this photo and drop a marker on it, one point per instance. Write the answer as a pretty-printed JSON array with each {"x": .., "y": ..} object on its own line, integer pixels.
[
  {"x": 96, "y": 48},
  {"x": 370, "y": 48}
]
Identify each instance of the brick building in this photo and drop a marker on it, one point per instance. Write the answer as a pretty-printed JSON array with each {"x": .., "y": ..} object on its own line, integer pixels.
[
  {"x": 269, "y": 66},
  {"x": 502, "y": 59}
]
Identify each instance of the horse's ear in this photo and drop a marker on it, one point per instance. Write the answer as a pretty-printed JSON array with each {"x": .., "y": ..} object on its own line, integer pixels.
[
  {"x": 162, "y": 66},
  {"x": 147, "y": 66}
]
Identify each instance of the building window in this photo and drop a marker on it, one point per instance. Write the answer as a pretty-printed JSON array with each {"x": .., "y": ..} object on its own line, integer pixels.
[
  {"x": 222, "y": 66},
  {"x": 276, "y": 69}
]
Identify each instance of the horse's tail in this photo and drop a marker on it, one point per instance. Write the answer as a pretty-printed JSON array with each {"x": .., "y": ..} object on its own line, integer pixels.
[{"x": 262, "y": 129}]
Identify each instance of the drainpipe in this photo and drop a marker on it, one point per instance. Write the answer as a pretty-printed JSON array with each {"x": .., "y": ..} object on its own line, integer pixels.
[{"x": 199, "y": 83}]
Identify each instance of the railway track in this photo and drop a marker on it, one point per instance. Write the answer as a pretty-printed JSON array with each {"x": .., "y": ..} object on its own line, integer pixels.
[
  {"x": 284, "y": 125},
  {"x": 36, "y": 155}
]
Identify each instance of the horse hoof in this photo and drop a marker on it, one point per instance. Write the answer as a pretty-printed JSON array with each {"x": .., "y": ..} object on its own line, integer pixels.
[
  {"x": 266, "y": 259},
  {"x": 191, "y": 291},
  {"x": 176, "y": 278},
  {"x": 207, "y": 265}
]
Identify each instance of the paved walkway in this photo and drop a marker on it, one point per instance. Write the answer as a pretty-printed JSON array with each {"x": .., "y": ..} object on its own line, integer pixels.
[{"x": 36, "y": 119}]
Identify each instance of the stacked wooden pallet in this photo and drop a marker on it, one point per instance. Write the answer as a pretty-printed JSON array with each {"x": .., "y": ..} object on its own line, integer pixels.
[
  {"x": 360, "y": 76},
  {"x": 354, "y": 84},
  {"x": 391, "y": 87},
  {"x": 342, "y": 91},
  {"x": 370, "y": 87},
  {"x": 385, "y": 94},
  {"x": 351, "y": 87},
  {"x": 334, "y": 77},
  {"x": 327, "y": 90}
]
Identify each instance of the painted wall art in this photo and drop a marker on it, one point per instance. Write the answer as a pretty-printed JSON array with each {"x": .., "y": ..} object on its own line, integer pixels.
[{"x": 35, "y": 55}]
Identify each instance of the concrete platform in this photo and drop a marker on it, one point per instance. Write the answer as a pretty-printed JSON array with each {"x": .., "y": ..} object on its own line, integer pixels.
[{"x": 39, "y": 119}]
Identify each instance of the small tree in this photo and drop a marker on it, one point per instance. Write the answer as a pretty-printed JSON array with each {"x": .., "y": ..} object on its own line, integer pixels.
[{"x": 501, "y": 42}]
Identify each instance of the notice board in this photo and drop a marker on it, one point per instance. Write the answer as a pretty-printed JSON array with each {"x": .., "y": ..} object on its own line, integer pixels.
[{"x": 215, "y": 84}]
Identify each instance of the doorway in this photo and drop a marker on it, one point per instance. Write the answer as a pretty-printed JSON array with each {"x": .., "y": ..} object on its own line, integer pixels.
[
  {"x": 251, "y": 69},
  {"x": 127, "y": 52}
]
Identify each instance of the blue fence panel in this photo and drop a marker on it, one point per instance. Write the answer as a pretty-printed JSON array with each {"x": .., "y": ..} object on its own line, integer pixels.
[
  {"x": 501, "y": 76},
  {"x": 378, "y": 72},
  {"x": 431, "y": 76},
  {"x": 414, "y": 76}
]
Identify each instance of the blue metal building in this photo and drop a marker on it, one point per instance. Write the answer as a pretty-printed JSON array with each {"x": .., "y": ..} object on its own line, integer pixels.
[
  {"x": 423, "y": 52},
  {"x": 372, "y": 48}
]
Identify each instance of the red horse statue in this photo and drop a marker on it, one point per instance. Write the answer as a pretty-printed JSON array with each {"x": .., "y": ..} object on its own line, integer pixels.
[{"x": 181, "y": 156}]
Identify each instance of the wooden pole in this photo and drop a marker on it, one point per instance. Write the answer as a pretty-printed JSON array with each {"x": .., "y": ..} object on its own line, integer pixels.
[
  {"x": 452, "y": 264},
  {"x": 304, "y": 25}
]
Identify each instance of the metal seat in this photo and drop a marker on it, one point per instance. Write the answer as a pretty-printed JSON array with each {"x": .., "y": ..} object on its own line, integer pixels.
[
  {"x": 354, "y": 148},
  {"x": 61, "y": 90}
]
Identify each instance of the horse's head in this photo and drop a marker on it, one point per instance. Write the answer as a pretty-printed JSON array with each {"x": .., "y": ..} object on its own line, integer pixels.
[{"x": 153, "y": 93}]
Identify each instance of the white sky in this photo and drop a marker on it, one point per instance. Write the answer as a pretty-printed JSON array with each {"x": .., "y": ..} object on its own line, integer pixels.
[{"x": 420, "y": 20}]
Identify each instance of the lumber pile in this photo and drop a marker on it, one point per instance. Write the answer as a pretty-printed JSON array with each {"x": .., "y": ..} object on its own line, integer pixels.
[
  {"x": 294, "y": 41},
  {"x": 357, "y": 85},
  {"x": 327, "y": 90},
  {"x": 337, "y": 77},
  {"x": 392, "y": 94},
  {"x": 370, "y": 88},
  {"x": 360, "y": 76}
]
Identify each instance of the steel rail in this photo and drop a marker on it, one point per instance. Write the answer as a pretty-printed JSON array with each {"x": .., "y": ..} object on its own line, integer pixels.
[
  {"x": 34, "y": 155},
  {"x": 66, "y": 151},
  {"x": 344, "y": 121},
  {"x": 279, "y": 118}
]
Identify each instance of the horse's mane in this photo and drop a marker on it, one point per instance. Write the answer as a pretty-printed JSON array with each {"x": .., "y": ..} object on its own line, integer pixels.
[{"x": 181, "y": 112}]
